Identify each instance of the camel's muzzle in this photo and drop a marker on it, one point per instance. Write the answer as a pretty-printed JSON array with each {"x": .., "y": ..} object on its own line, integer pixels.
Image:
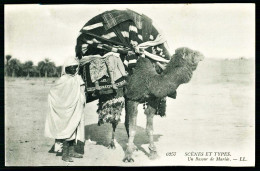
[{"x": 198, "y": 57}]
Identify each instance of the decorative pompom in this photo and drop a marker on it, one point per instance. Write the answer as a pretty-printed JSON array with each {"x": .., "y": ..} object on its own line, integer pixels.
[{"x": 161, "y": 109}]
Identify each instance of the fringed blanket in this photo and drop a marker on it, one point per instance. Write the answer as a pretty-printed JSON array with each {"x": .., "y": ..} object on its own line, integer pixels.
[{"x": 110, "y": 107}]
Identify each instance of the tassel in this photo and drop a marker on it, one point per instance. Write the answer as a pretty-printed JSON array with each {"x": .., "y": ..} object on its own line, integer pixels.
[{"x": 144, "y": 105}]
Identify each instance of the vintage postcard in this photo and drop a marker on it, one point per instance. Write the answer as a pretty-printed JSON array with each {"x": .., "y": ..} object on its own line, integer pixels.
[{"x": 130, "y": 85}]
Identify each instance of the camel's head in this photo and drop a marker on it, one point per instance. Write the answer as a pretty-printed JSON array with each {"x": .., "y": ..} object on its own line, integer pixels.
[{"x": 192, "y": 57}]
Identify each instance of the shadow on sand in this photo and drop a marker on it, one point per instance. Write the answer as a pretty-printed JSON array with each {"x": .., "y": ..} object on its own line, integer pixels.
[{"x": 102, "y": 135}]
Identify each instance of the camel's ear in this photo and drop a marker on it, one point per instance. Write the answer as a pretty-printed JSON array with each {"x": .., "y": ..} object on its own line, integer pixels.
[{"x": 184, "y": 53}]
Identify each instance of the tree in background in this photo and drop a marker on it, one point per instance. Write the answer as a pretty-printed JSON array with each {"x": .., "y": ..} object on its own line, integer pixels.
[
  {"x": 35, "y": 72},
  {"x": 58, "y": 69},
  {"x": 14, "y": 66},
  {"x": 39, "y": 67},
  {"x": 8, "y": 57},
  {"x": 7, "y": 69},
  {"x": 28, "y": 68},
  {"x": 46, "y": 67}
]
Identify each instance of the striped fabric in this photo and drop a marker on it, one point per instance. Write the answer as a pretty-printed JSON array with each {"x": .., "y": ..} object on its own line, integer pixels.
[
  {"x": 131, "y": 29},
  {"x": 93, "y": 26},
  {"x": 115, "y": 17}
]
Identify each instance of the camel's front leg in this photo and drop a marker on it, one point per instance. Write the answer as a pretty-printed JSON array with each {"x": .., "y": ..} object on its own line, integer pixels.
[
  {"x": 112, "y": 143},
  {"x": 131, "y": 114},
  {"x": 150, "y": 112}
]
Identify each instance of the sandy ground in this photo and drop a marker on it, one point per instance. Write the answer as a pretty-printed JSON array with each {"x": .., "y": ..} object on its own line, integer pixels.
[{"x": 213, "y": 113}]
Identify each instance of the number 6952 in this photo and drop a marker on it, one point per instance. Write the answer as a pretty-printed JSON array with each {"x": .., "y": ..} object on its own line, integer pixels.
[{"x": 171, "y": 154}]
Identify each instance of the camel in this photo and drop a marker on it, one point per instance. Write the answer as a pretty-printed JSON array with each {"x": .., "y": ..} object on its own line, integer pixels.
[
  {"x": 122, "y": 31},
  {"x": 146, "y": 85}
]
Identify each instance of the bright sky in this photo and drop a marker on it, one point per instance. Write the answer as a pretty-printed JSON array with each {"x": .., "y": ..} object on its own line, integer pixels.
[{"x": 34, "y": 32}]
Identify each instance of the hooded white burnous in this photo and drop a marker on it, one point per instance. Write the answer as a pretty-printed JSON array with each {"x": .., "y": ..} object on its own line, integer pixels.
[{"x": 66, "y": 101}]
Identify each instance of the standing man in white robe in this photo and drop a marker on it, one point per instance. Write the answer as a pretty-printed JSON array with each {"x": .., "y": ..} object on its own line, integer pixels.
[{"x": 65, "y": 121}]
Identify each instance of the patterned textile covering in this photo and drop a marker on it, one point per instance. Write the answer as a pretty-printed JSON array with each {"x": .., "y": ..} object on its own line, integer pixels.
[
  {"x": 104, "y": 82},
  {"x": 133, "y": 28},
  {"x": 123, "y": 30},
  {"x": 110, "y": 107},
  {"x": 111, "y": 63},
  {"x": 98, "y": 69},
  {"x": 128, "y": 29},
  {"x": 116, "y": 17}
]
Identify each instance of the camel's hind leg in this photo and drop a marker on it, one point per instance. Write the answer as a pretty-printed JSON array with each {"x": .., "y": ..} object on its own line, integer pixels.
[
  {"x": 127, "y": 121},
  {"x": 150, "y": 112},
  {"x": 112, "y": 143},
  {"x": 130, "y": 123}
]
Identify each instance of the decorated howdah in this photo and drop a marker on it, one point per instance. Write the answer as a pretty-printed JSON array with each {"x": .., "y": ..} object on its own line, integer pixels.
[{"x": 126, "y": 36}]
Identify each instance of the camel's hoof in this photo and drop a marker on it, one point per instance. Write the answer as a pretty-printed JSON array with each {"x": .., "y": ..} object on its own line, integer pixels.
[
  {"x": 128, "y": 159},
  {"x": 128, "y": 153},
  {"x": 111, "y": 146},
  {"x": 153, "y": 155}
]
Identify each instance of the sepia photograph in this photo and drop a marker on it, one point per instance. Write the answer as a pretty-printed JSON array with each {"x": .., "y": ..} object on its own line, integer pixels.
[{"x": 129, "y": 84}]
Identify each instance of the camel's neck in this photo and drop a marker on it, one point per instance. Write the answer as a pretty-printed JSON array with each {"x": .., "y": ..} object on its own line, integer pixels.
[{"x": 178, "y": 71}]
